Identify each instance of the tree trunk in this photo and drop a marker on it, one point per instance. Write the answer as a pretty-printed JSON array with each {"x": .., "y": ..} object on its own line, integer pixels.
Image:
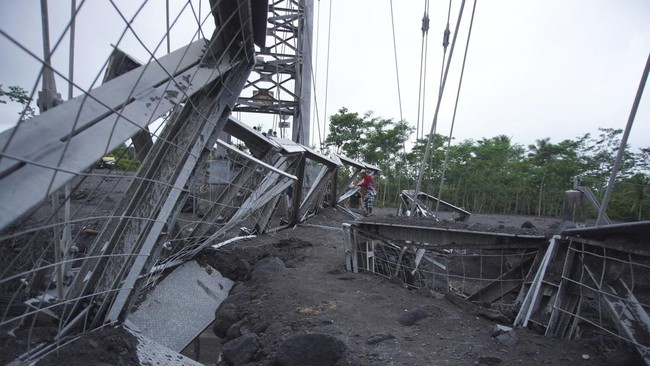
[{"x": 539, "y": 202}]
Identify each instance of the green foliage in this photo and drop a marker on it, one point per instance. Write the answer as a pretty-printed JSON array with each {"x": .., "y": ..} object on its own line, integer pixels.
[
  {"x": 125, "y": 158},
  {"x": 495, "y": 175},
  {"x": 346, "y": 131},
  {"x": 18, "y": 95},
  {"x": 376, "y": 141}
]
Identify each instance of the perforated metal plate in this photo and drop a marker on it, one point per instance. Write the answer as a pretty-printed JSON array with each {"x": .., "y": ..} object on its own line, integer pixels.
[
  {"x": 152, "y": 353},
  {"x": 182, "y": 305}
]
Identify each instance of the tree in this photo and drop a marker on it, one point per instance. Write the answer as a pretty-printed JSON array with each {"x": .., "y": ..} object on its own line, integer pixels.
[
  {"x": 556, "y": 166},
  {"x": 372, "y": 139},
  {"x": 636, "y": 190},
  {"x": 18, "y": 95},
  {"x": 598, "y": 155},
  {"x": 383, "y": 146},
  {"x": 346, "y": 132},
  {"x": 489, "y": 170}
]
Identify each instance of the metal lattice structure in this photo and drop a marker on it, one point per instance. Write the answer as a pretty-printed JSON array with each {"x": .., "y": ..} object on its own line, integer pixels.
[
  {"x": 281, "y": 81},
  {"x": 588, "y": 283},
  {"x": 102, "y": 193}
]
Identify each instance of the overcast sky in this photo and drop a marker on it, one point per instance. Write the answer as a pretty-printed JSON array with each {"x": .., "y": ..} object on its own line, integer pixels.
[{"x": 535, "y": 69}]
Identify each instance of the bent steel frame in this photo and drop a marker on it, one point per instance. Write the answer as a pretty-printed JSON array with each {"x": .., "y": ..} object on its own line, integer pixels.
[{"x": 600, "y": 282}]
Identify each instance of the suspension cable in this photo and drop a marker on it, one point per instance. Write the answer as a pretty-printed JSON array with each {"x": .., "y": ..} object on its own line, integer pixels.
[
  {"x": 314, "y": 80},
  {"x": 445, "y": 43},
  {"x": 313, "y": 73},
  {"x": 399, "y": 94},
  {"x": 167, "y": 25},
  {"x": 73, "y": 16},
  {"x": 453, "y": 118},
  {"x": 435, "y": 115},
  {"x": 327, "y": 71},
  {"x": 423, "y": 59}
]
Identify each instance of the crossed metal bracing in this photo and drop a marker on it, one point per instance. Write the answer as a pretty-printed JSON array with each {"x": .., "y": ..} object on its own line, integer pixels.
[
  {"x": 194, "y": 90},
  {"x": 599, "y": 282},
  {"x": 281, "y": 80},
  {"x": 582, "y": 283},
  {"x": 347, "y": 186},
  {"x": 203, "y": 177},
  {"x": 428, "y": 206}
]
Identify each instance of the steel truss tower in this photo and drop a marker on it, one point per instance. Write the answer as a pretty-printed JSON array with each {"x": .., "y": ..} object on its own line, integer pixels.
[{"x": 280, "y": 83}]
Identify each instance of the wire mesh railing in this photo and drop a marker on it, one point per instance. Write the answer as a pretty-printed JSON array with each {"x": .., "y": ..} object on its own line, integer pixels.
[
  {"x": 591, "y": 285},
  {"x": 96, "y": 190}
]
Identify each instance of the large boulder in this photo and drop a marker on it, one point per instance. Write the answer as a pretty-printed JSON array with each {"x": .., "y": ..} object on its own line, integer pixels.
[
  {"x": 267, "y": 267},
  {"x": 226, "y": 316},
  {"x": 237, "y": 329},
  {"x": 313, "y": 349},
  {"x": 411, "y": 317},
  {"x": 240, "y": 351},
  {"x": 234, "y": 299}
]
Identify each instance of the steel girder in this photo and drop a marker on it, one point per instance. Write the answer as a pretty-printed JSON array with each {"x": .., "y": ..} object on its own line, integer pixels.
[
  {"x": 40, "y": 155},
  {"x": 127, "y": 242},
  {"x": 435, "y": 237}
]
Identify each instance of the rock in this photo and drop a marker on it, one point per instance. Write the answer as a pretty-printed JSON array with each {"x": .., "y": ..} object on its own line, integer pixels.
[
  {"x": 313, "y": 349},
  {"x": 493, "y": 314},
  {"x": 236, "y": 299},
  {"x": 500, "y": 329},
  {"x": 379, "y": 337},
  {"x": 240, "y": 351},
  {"x": 411, "y": 317},
  {"x": 260, "y": 328},
  {"x": 507, "y": 339},
  {"x": 226, "y": 316},
  {"x": 267, "y": 267},
  {"x": 528, "y": 225},
  {"x": 243, "y": 269},
  {"x": 399, "y": 282},
  {"x": 237, "y": 330}
]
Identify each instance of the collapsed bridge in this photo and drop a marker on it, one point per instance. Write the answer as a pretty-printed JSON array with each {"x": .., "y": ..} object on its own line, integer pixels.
[{"x": 81, "y": 244}]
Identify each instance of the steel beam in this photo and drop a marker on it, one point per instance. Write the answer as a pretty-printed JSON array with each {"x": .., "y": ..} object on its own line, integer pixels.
[
  {"x": 463, "y": 214},
  {"x": 626, "y": 312},
  {"x": 435, "y": 237},
  {"x": 317, "y": 189},
  {"x": 296, "y": 199},
  {"x": 126, "y": 243},
  {"x": 531, "y": 301},
  {"x": 40, "y": 155},
  {"x": 282, "y": 82},
  {"x": 507, "y": 282},
  {"x": 119, "y": 63},
  {"x": 210, "y": 129},
  {"x": 567, "y": 302}
]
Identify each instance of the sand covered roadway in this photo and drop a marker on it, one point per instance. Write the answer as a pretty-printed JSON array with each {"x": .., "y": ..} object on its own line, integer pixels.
[{"x": 294, "y": 304}]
